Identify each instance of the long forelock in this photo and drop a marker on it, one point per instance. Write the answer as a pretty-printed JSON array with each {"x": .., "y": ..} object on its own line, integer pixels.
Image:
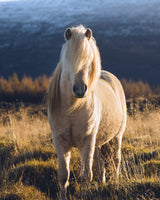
[
  {"x": 80, "y": 52},
  {"x": 96, "y": 63},
  {"x": 83, "y": 52}
]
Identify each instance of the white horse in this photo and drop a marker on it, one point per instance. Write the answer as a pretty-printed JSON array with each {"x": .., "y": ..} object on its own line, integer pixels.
[{"x": 86, "y": 107}]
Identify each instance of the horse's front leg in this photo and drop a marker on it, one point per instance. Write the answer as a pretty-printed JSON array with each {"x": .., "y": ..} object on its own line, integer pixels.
[
  {"x": 87, "y": 154},
  {"x": 99, "y": 165},
  {"x": 63, "y": 155}
]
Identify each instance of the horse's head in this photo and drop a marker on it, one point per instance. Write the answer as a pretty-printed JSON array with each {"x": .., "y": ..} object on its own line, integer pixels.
[{"x": 82, "y": 59}]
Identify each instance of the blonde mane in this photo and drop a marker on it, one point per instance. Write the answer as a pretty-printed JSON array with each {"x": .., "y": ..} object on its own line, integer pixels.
[
  {"x": 78, "y": 52},
  {"x": 96, "y": 65},
  {"x": 94, "y": 76},
  {"x": 54, "y": 90},
  {"x": 85, "y": 53}
]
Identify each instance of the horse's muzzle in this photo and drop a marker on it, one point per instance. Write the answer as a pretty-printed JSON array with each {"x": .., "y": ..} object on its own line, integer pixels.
[{"x": 79, "y": 90}]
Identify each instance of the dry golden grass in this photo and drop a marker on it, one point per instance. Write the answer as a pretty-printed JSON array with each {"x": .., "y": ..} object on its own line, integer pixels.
[
  {"x": 141, "y": 146},
  {"x": 28, "y": 162},
  {"x": 143, "y": 130}
]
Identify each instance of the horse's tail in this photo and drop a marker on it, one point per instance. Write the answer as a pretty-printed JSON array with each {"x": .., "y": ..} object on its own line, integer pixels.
[{"x": 54, "y": 90}]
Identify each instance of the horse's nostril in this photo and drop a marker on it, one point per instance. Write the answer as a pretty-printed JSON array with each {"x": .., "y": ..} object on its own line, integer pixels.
[
  {"x": 85, "y": 88},
  {"x": 79, "y": 90},
  {"x": 74, "y": 89}
]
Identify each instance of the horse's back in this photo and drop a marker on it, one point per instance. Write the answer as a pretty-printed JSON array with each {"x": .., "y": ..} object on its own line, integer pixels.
[{"x": 115, "y": 84}]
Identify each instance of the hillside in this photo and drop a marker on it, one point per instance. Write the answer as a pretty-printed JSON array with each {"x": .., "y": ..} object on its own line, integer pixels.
[{"x": 127, "y": 34}]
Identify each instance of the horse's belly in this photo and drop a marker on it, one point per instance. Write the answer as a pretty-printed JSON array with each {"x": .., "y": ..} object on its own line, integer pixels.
[
  {"x": 109, "y": 126},
  {"x": 105, "y": 134}
]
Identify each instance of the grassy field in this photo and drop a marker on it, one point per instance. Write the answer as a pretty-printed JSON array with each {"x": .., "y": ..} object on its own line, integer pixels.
[{"x": 28, "y": 162}]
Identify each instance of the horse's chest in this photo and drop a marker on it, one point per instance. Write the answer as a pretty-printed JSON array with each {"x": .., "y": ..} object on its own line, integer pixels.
[
  {"x": 83, "y": 122},
  {"x": 79, "y": 129}
]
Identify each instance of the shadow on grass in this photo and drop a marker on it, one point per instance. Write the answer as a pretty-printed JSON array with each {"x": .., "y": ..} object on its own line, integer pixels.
[
  {"x": 37, "y": 168},
  {"x": 8, "y": 157},
  {"x": 37, "y": 155},
  {"x": 139, "y": 156},
  {"x": 152, "y": 168},
  {"x": 39, "y": 174},
  {"x": 11, "y": 196},
  {"x": 131, "y": 191},
  {"x": 6, "y": 154}
]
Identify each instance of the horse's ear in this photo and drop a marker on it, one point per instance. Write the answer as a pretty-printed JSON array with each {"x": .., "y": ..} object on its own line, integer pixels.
[
  {"x": 68, "y": 34},
  {"x": 88, "y": 33}
]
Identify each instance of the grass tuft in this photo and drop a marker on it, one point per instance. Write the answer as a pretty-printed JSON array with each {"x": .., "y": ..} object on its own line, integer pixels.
[{"x": 28, "y": 161}]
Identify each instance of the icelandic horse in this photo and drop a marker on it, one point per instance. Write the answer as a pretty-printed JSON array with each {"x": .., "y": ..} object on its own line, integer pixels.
[{"x": 86, "y": 107}]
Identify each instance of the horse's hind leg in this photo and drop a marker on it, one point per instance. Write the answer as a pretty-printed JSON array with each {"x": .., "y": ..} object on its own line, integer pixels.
[
  {"x": 63, "y": 155},
  {"x": 117, "y": 141},
  {"x": 112, "y": 153},
  {"x": 99, "y": 165}
]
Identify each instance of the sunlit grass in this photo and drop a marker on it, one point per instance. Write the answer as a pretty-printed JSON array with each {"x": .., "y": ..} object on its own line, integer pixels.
[{"x": 29, "y": 164}]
